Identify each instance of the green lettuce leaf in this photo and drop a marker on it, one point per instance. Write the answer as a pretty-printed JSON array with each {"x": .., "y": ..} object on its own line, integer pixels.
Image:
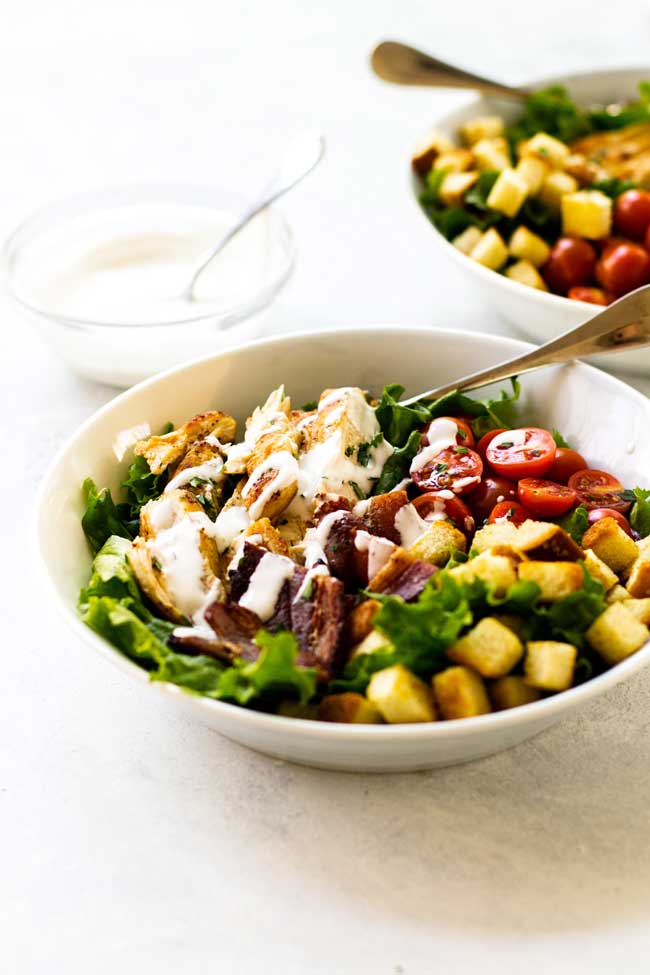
[
  {"x": 121, "y": 622},
  {"x": 640, "y": 513},
  {"x": 559, "y": 439},
  {"x": 575, "y": 523},
  {"x": 274, "y": 672},
  {"x": 567, "y": 619},
  {"x": 102, "y": 518},
  {"x": 550, "y": 110},
  {"x": 499, "y": 412},
  {"x": 397, "y": 466},
  {"x": 397, "y": 422},
  {"x": 141, "y": 485},
  {"x": 111, "y": 573}
]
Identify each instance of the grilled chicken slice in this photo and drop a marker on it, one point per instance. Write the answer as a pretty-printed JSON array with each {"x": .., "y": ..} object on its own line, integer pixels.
[
  {"x": 622, "y": 153},
  {"x": 175, "y": 558},
  {"x": 161, "y": 452}
]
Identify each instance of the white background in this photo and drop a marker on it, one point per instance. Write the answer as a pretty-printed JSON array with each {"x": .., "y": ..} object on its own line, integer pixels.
[{"x": 131, "y": 840}]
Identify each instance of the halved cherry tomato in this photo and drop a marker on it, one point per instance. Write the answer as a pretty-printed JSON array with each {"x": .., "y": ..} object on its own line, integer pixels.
[
  {"x": 544, "y": 498},
  {"x": 566, "y": 463},
  {"x": 491, "y": 491},
  {"x": 464, "y": 438},
  {"x": 448, "y": 503},
  {"x": 593, "y": 296},
  {"x": 486, "y": 440},
  {"x": 597, "y": 489},
  {"x": 571, "y": 262},
  {"x": 528, "y": 452},
  {"x": 632, "y": 213},
  {"x": 623, "y": 268},
  {"x": 456, "y": 469},
  {"x": 509, "y": 511},
  {"x": 597, "y": 513}
]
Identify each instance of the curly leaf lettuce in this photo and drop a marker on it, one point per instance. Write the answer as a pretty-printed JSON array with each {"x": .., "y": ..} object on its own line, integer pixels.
[{"x": 102, "y": 517}]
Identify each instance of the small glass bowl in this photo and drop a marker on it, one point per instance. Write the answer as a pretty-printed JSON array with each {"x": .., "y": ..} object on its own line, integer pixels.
[{"x": 123, "y": 353}]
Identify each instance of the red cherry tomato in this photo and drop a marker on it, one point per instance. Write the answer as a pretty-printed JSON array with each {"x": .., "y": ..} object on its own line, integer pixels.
[
  {"x": 566, "y": 463},
  {"x": 456, "y": 469},
  {"x": 632, "y": 213},
  {"x": 487, "y": 439},
  {"x": 571, "y": 262},
  {"x": 465, "y": 437},
  {"x": 597, "y": 513},
  {"x": 593, "y": 296},
  {"x": 647, "y": 240},
  {"x": 490, "y": 492},
  {"x": 527, "y": 452},
  {"x": 546, "y": 499},
  {"x": 623, "y": 268},
  {"x": 456, "y": 510},
  {"x": 509, "y": 511},
  {"x": 597, "y": 489}
]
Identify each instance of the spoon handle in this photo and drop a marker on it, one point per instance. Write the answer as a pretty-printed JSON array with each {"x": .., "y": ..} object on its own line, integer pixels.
[
  {"x": 404, "y": 65},
  {"x": 625, "y": 324}
]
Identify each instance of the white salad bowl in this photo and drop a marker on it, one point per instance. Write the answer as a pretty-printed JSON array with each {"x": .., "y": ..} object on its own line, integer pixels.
[
  {"x": 607, "y": 420},
  {"x": 538, "y": 314}
]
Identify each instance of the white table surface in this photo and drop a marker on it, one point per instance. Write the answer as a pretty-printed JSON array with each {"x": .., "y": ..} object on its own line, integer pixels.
[{"x": 133, "y": 841}]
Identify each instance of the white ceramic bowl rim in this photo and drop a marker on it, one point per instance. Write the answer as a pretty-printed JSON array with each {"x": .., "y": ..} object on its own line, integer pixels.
[
  {"x": 137, "y": 193},
  {"x": 543, "y": 297},
  {"x": 317, "y": 729}
]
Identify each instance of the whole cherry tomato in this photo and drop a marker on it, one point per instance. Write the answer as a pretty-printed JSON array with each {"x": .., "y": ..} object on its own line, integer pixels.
[
  {"x": 546, "y": 499},
  {"x": 623, "y": 268},
  {"x": 456, "y": 469},
  {"x": 490, "y": 492},
  {"x": 447, "y": 503},
  {"x": 597, "y": 489},
  {"x": 593, "y": 296},
  {"x": 632, "y": 213},
  {"x": 566, "y": 463},
  {"x": 571, "y": 262},
  {"x": 597, "y": 513},
  {"x": 527, "y": 452},
  {"x": 464, "y": 438},
  {"x": 509, "y": 511},
  {"x": 487, "y": 439}
]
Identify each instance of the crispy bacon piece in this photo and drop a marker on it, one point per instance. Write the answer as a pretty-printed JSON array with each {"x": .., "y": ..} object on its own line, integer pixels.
[
  {"x": 403, "y": 575},
  {"x": 240, "y": 576},
  {"x": 318, "y": 622},
  {"x": 344, "y": 559},
  {"x": 234, "y": 628},
  {"x": 379, "y": 518}
]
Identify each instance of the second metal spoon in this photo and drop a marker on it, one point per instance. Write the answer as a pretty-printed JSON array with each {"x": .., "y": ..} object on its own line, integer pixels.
[{"x": 625, "y": 324}]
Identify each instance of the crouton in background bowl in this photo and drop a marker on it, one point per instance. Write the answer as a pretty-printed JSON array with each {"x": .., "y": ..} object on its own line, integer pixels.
[
  {"x": 515, "y": 288},
  {"x": 605, "y": 419}
]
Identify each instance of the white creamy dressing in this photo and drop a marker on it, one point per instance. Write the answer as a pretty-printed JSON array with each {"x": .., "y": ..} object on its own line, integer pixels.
[
  {"x": 317, "y": 570},
  {"x": 176, "y": 546},
  {"x": 441, "y": 435},
  {"x": 229, "y": 525},
  {"x": 209, "y": 470},
  {"x": 265, "y": 584},
  {"x": 515, "y": 437},
  {"x": 286, "y": 471},
  {"x": 411, "y": 525},
  {"x": 238, "y": 554},
  {"x": 379, "y": 550},
  {"x": 127, "y": 438},
  {"x": 464, "y": 482}
]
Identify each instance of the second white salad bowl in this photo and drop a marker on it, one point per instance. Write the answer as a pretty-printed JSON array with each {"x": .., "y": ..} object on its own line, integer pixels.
[{"x": 601, "y": 416}]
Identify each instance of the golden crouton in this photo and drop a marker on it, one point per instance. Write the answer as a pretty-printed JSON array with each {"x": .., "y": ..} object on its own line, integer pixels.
[
  {"x": 512, "y": 621},
  {"x": 555, "y": 579},
  {"x": 640, "y": 609},
  {"x": 511, "y": 692},
  {"x": 611, "y": 544},
  {"x": 375, "y": 640},
  {"x": 599, "y": 570},
  {"x": 495, "y": 570},
  {"x": 490, "y": 648},
  {"x": 428, "y": 149},
  {"x": 359, "y": 622},
  {"x": 349, "y": 708},
  {"x": 460, "y": 693},
  {"x": 400, "y": 696},
  {"x": 616, "y": 633},
  {"x": 160, "y": 452},
  {"x": 501, "y": 533},
  {"x": 643, "y": 545},
  {"x": 399, "y": 560},
  {"x": 617, "y": 594},
  {"x": 438, "y": 542},
  {"x": 546, "y": 543},
  {"x": 638, "y": 583},
  {"x": 549, "y": 665}
]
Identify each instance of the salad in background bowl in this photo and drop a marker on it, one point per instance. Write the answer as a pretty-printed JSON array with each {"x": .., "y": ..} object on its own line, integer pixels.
[{"x": 546, "y": 204}]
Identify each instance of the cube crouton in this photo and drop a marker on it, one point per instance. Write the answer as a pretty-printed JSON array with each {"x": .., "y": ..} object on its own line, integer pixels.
[
  {"x": 523, "y": 272},
  {"x": 643, "y": 546},
  {"x": 638, "y": 583},
  {"x": 496, "y": 570},
  {"x": 492, "y": 154},
  {"x": 359, "y": 622},
  {"x": 454, "y": 186},
  {"x": 555, "y": 187},
  {"x": 547, "y": 148},
  {"x": 398, "y": 562},
  {"x": 455, "y": 161},
  {"x": 533, "y": 171},
  {"x": 617, "y": 594},
  {"x": 375, "y": 640},
  {"x": 599, "y": 570},
  {"x": 611, "y": 544},
  {"x": 481, "y": 127},
  {"x": 549, "y": 665},
  {"x": 467, "y": 241},
  {"x": 587, "y": 213},
  {"x": 428, "y": 149},
  {"x": 511, "y": 692},
  {"x": 640, "y": 609},
  {"x": 527, "y": 246},
  {"x": 490, "y": 648},
  {"x": 616, "y": 634},
  {"x": 508, "y": 193},
  {"x": 437, "y": 543},
  {"x": 400, "y": 696},
  {"x": 491, "y": 250},
  {"x": 501, "y": 533},
  {"x": 546, "y": 543},
  {"x": 349, "y": 708},
  {"x": 460, "y": 693},
  {"x": 556, "y": 580}
]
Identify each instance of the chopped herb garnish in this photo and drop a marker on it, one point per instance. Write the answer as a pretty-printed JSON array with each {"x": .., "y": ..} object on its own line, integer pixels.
[
  {"x": 357, "y": 490},
  {"x": 308, "y": 590},
  {"x": 505, "y": 445},
  {"x": 535, "y": 453},
  {"x": 309, "y": 407},
  {"x": 363, "y": 453},
  {"x": 441, "y": 468},
  {"x": 461, "y": 450},
  {"x": 349, "y": 450}
]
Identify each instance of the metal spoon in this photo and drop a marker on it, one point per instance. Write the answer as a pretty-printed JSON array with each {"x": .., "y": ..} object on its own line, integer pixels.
[
  {"x": 625, "y": 324},
  {"x": 301, "y": 156},
  {"x": 404, "y": 65}
]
